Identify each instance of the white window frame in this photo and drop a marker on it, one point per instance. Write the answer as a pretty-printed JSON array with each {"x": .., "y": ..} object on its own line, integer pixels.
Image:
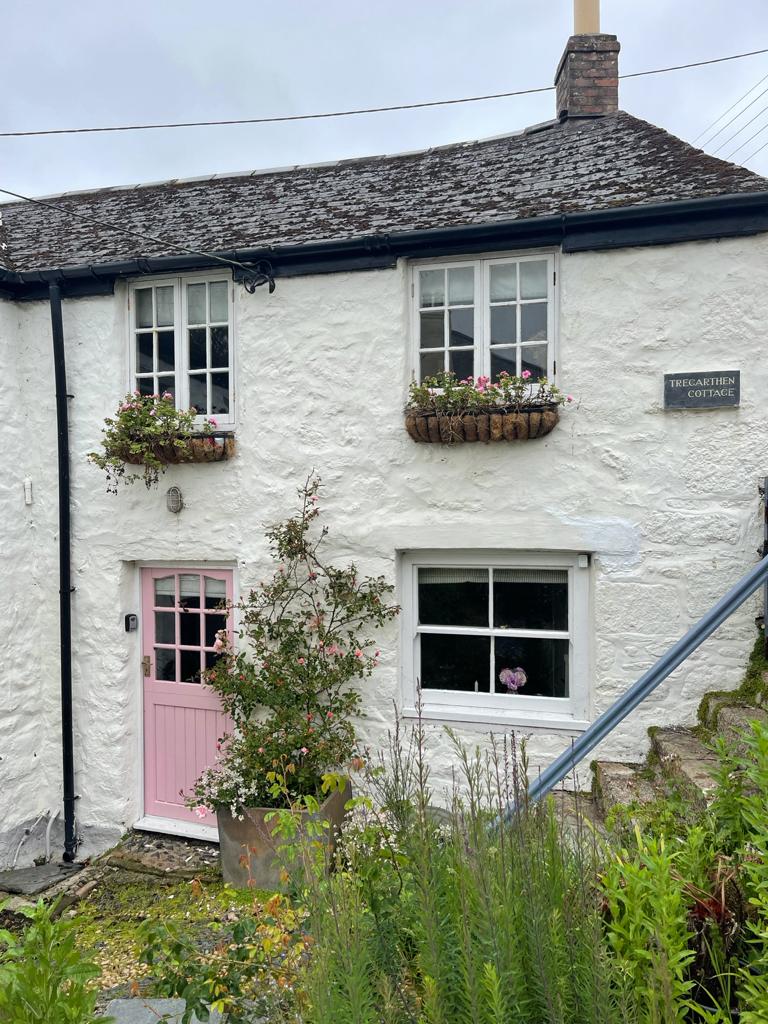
[
  {"x": 482, "y": 318},
  {"x": 488, "y": 708},
  {"x": 181, "y": 360}
]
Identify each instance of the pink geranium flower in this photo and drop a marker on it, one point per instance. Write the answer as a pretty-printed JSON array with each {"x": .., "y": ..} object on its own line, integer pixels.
[{"x": 525, "y": 374}]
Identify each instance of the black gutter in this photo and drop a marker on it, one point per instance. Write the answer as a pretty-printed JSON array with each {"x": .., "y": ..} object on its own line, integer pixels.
[
  {"x": 665, "y": 223},
  {"x": 65, "y": 573}
]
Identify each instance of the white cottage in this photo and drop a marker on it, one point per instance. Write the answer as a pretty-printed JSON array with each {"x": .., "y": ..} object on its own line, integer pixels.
[{"x": 594, "y": 248}]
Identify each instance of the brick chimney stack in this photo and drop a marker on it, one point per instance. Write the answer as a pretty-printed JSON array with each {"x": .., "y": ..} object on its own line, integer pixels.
[{"x": 587, "y": 79}]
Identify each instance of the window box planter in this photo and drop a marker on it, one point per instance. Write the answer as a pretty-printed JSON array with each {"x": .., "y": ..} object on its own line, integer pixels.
[
  {"x": 497, "y": 425},
  {"x": 198, "y": 448},
  {"x": 248, "y": 851}
]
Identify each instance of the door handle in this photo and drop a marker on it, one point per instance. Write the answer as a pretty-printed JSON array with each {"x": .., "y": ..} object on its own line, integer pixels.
[{"x": 146, "y": 666}]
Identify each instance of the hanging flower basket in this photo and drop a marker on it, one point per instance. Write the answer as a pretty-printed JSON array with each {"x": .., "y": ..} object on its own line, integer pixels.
[
  {"x": 445, "y": 410},
  {"x": 501, "y": 425},
  {"x": 202, "y": 448}
]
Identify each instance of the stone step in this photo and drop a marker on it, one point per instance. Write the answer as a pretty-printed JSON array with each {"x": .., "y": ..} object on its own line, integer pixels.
[
  {"x": 685, "y": 761},
  {"x": 734, "y": 723},
  {"x": 620, "y": 784}
]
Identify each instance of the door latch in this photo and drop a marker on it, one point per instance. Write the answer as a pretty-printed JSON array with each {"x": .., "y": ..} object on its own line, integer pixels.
[{"x": 145, "y": 665}]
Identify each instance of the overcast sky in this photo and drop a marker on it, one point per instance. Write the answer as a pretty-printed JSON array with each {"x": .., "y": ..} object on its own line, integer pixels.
[{"x": 92, "y": 62}]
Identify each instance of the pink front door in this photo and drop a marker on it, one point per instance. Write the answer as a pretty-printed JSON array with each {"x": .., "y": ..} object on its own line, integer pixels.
[{"x": 183, "y": 721}]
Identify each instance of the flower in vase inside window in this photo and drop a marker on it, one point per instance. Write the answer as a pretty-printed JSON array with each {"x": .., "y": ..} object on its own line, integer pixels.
[{"x": 513, "y": 678}]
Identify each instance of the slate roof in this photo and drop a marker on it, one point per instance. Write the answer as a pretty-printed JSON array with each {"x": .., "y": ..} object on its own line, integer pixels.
[{"x": 573, "y": 166}]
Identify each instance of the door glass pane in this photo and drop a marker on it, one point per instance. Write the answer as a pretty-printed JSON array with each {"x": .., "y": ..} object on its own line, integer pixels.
[
  {"x": 213, "y": 623},
  {"x": 197, "y": 355},
  {"x": 144, "y": 358},
  {"x": 165, "y": 354},
  {"x": 143, "y": 297},
  {"x": 533, "y": 322},
  {"x": 533, "y": 279},
  {"x": 432, "y": 287},
  {"x": 453, "y": 597},
  {"x": 461, "y": 327},
  {"x": 165, "y": 591},
  {"x": 198, "y": 392},
  {"x": 461, "y": 286},
  {"x": 190, "y": 666},
  {"x": 463, "y": 363},
  {"x": 211, "y": 657},
  {"x": 189, "y": 629},
  {"x": 164, "y": 300},
  {"x": 431, "y": 363},
  {"x": 530, "y": 599},
  {"x": 503, "y": 325},
  {"x": 196, "y": 304},
  {"x": 220, "y": 394},
  {"x": 455, "y": 662},
  {"x": 189, "y": 590},
  {"x": 165, "y": 664},
  {"x": 535, "y": 360},
  {"x": 218, "y": 297},
  {"x": 165, "y": 627},
  {"x": 544, "y": 664},
  {"x": 215, "y": 592},
  {"x": 432, "y": 335},
  {"x": 503, "y": 359},
  {"x": 503, "y": 282},
  {"x": 219, "y": 346}
]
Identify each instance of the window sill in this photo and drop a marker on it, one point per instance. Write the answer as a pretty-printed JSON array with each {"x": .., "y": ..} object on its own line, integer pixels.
[{"x": 534, "y": 721}]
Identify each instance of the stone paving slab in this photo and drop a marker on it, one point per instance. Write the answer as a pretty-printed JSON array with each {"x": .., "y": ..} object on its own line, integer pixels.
[
  {"x": 155, "y": 854},
  {"x": 152, "y": 1011},
  {"x": 34, "y": 880}
]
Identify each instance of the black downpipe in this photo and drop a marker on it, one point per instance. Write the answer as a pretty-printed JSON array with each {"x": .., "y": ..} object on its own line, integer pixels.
[{"x": 65, "y": 573}]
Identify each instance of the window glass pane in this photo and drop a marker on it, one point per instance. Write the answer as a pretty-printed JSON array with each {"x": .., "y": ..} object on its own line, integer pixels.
[
  {"x": 167, "y": 383},
  {"x": 198, "y": 359},
  {"x": 219, "y": 394},
  {"x": 189, "y": 629},
  {"x": 544, "y": 662},
  {"x": 165, "y": 591},
  {"x": 463, "y": 363},
  {"x": 165, "y": 664},
  {"x": 143, "y": 297},
  {"x": 144, "y": 363},
  {"x": 190, "y": 666},
  {"x": 432, "y": 287},
  {"x": 533, "y": 279},
  {"x": 453, "y": 597},
  {"x": 503, "y": 325},
  {"x": 219, "y": 346},
  {"x": 455, "y": 662},
  {"x": 218, "y": 298},
  {"x": 196, "y": 304},
  {"x": 165, "y": 354},
  {"x": 164, "y": 301},
  {"x": 198, "y": 392},
  {"x": 535, "y": 360},
  {"x": 146, "y": 385},
  {"x": 165, "y": 627},
  {"x": 215, "y": 592},
  {"x": 213, "y": 623},
  {"x": 432, "y": 335},
  {"x": 530, "y": 599},
  {"x": 533, "y": 322},
  {"x": 431, "y": 363},
  {"x": 189, "y": 590},
  {"x": 503, "y": 282},
  {"x": 503, "y": 359},
  {"x": 462, "y": 327},
  {"x": 461, "y": 286}
]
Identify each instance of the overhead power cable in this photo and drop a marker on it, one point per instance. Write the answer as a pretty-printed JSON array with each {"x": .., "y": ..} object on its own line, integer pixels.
[
  {"x": 758, "y": 150},
  {"x": 354, "y": 111},
  {"x": 740, "y": 130},
  {"x": 743, "y": 144},
  {"x": 252, "y": 272},
  {"x": 726, "y": 112}
]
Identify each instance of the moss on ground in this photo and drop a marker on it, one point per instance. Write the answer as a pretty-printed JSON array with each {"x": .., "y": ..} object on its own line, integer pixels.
[
  {"x": 109, "y": 918},
  {"x": 753, "y": 691}
]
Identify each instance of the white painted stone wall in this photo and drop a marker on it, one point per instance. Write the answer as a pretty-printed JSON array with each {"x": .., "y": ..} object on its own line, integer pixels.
[{"x": 667, "y": 502}]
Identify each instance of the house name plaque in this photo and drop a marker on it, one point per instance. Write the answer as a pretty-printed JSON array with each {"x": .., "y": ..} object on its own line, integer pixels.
[{"x": 711, "y": 390}]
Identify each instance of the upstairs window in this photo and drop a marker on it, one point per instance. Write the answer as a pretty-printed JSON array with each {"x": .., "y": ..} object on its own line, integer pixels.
[
  {"x": 181, "y": 332},
  {"x": 486, "y": 316}
]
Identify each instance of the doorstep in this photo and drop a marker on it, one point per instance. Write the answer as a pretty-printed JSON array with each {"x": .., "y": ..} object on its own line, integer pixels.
[{"x": 172, "y": 827}]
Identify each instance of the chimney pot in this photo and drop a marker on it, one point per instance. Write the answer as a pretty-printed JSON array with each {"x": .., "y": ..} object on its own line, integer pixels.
[{"x": 586, "y": 17}]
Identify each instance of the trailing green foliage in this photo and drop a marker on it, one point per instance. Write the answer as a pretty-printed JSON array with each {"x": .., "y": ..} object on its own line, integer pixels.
[{"x": 43, "y": 976}]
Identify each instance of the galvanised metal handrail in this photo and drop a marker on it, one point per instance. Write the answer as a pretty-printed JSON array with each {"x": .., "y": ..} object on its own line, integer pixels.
[{"x": 647, "y": 683}]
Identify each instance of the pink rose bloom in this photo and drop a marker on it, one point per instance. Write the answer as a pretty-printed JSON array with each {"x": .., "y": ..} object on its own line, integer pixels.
[
  {"x": 525, "y": 374},
  {"x": 304, "y": 750},
  {"x": 220, "y": 641},
  {"x": 301, "y": 661},
  {"x": 569, "y": 398},
  {"x": 358, "y": 653},
  {"x": 212, "y": 421},
  {"x": 201, "y": 810}
]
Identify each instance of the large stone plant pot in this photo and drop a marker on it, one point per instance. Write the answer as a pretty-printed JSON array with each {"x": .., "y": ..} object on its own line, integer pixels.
[{"x": 252, "y": 838}]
